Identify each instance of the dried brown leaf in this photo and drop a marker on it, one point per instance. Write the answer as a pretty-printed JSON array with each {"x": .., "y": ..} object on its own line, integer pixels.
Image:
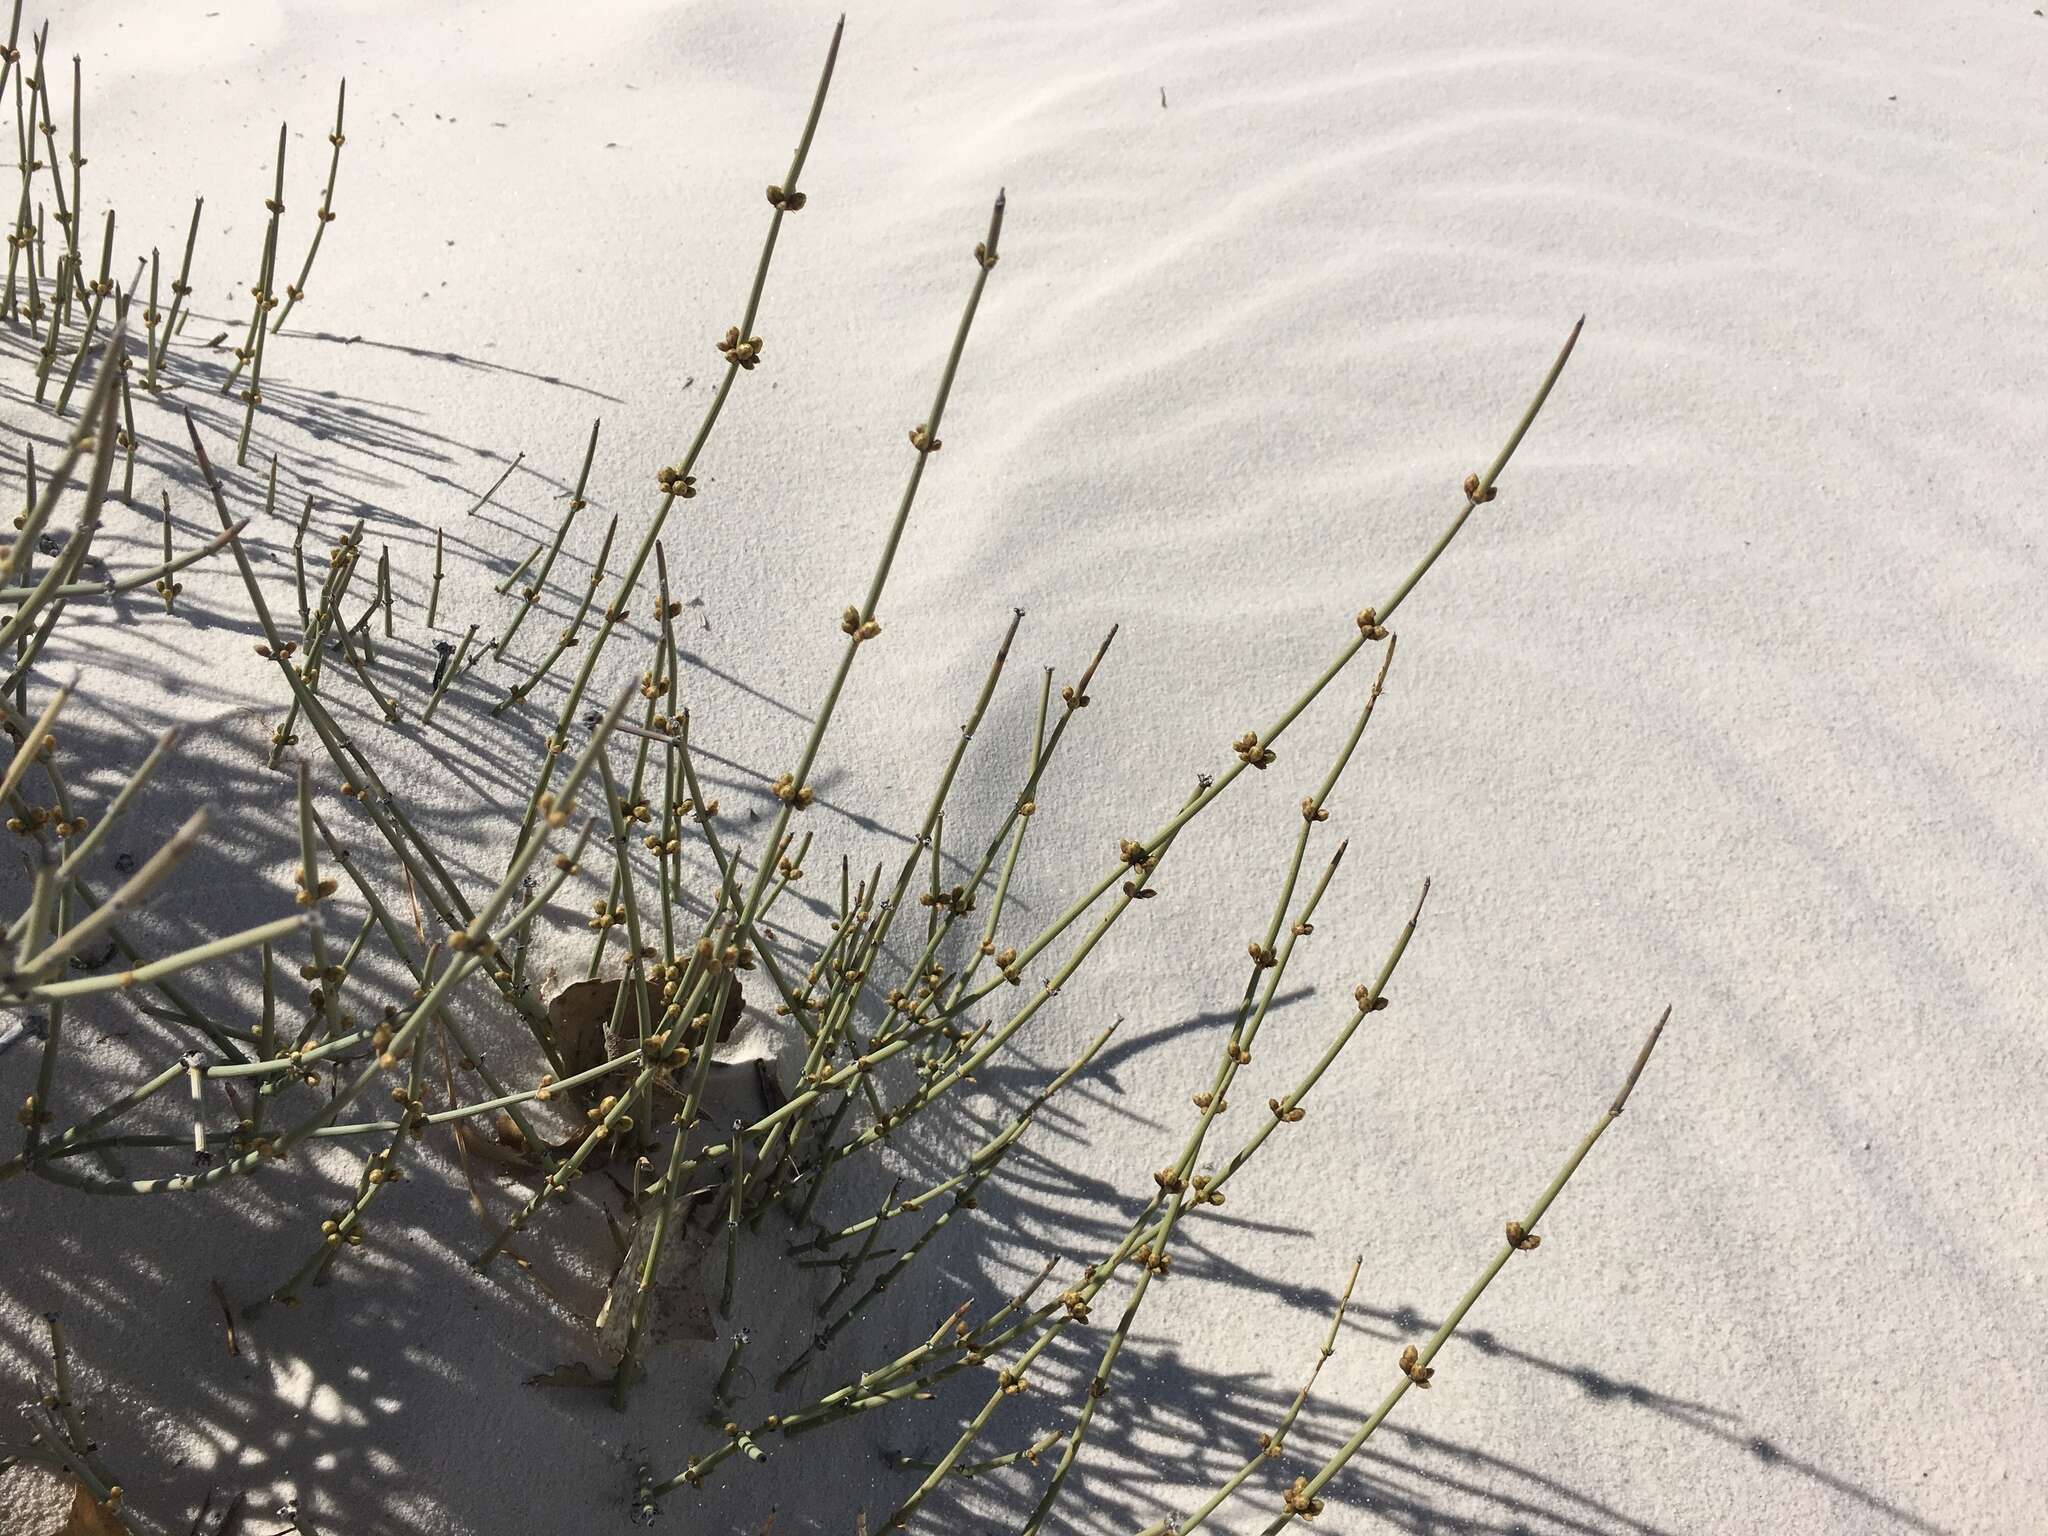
[{"x": 89, "y": 1517}]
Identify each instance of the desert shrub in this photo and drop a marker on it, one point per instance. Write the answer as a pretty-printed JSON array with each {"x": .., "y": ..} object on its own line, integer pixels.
[{"x": 394, "y": 1005}]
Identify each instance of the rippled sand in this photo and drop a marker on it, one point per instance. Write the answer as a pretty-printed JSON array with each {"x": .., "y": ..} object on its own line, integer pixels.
[{"x": 1733, "y": 699}]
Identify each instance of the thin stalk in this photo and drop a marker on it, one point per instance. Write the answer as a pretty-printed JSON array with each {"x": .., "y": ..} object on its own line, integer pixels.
[
  {"x": 293, "y": 292},
  {"x": 99, "y": 289},
  {"x": 496, "y": 486},
  {"x": 678, "y": 482},
  {"x": 150, "y": 316},
  {"x": 434, "y": 593},
  {"x": 1302, "y": 1500},
  {"x": 1271, "y": 1443},
  {"x": 77, "y": 156},
  {"x": 65, "y": 215},
  {"x": 266, "y": 274},
  {"x": 519, "y": 570},
  {"x": 850, "y": 1264},
  {"x": 181, "y": 289},
  {"x": 66, "y": 268},
  {"x": 448, "y": 676},
  {"x": 127, "y": 438},
  {"x": 66, "y": 1405},
  {"x": 1028, "y": 1454},
  {"x": 531, "y": 593},
  {"x": 299, "y": 566},
  {"x": 570, "y": 637},
  {"x": 156, "y": 576},
  {"x": 1371, "y": 626},
  {"x": 643, "y": 1292},
  {"x": 737, "y": 1184}
]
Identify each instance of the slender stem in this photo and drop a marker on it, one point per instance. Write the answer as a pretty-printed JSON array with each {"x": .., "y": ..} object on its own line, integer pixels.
[
  {"x": 643, "y": 1291},
  {"x": 266, "y": 274},
  {"x": 434, "y": 593},
  {"x": 530, "y": 594},
  {"x": 293, "y": 292},
  {"x": 1270, "y": 1444},
  {"x": 1302, "y": 1502},
  {"x": 180, "y": 290},
  {"x": 678, "y": 482}
]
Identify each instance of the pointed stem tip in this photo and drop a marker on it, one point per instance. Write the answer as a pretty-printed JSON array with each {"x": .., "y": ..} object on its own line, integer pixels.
[
  {"x": 995, "y": 230},
  {"x": 1642, "y": 1060}
]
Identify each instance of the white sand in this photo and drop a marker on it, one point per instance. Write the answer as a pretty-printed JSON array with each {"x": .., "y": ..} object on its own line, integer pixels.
[{"x": 1732, "y": 700}]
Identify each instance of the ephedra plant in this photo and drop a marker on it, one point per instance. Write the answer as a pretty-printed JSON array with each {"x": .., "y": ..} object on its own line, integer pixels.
[{"x": 889, "y": 1021}]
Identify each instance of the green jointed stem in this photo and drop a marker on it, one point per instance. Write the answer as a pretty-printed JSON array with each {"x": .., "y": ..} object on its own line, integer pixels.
[
  {"x": 170, "y": 965},
  {"x": 66, "y": 1406},
  {"x": 742, "y": 352},
  {"x": 859, "y": 624},
  {"x": 434, "y": 592},
  {"x": 531, "y": 593},
  {"x": 850, "y": 1264},
  {"x": 66, "y": 267},
  {"x": 379, "y": 1170},
  {"x": 927, "y": 835},
  {"x": 266, "y": 274},
  {"x": 1175, "y": 1179},
  {"x": 509, "y": 1102},
  {"x": 389, "y": 706},
  {"x": 983, "y": 1163},
  {"x": 34, "y": 744},
  {"x": 100, "y": 289},
  {"x": 154, "y": 871},
  {"x": 1370, "y": 626},
  {"x": 266, "y": 300},
  {"x": 96, "y": 432},
  {"x": 643, "y": 1289},
  {"x": 382, "y": 807},
  {"x": 157, "y": 576},
  {"x": 472, "y": 945},
  {"x": 19, "y": 238},
  {"x": 299, "y": 567},
  {"x": 1370, "y": 998},
  {"x": 1302, "y": 1501},
  {"x": 126, "y": 438},
  {"x": 448, "y": 676},
  {"x": 9, "y": 57},
  {"x": 1180, "y": 1178},
  {"x": 622, "y": 867},
  {"x": 1270, "y": 1445},
  {"x": 570, "y": 637},
  {"x": 1029, "y": 1453},
  {"x": 180, "y": 291},
  {"x": 150, "y": 316},
  {"x": 81, "y": 849},
  {"x": 293, "y": 292},
  {"x": 519, "y": 570},
  {"x": 65, "y": 214},
  {"x": 496, "y": 485},
  {"x": 312, "y": 890},
  {"x": 77, "y": 156},
  {"x": 735, "y": 1185}
]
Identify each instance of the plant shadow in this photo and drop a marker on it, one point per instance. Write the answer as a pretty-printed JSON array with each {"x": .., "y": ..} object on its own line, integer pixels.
[{"x": 363, "y": 1406}]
